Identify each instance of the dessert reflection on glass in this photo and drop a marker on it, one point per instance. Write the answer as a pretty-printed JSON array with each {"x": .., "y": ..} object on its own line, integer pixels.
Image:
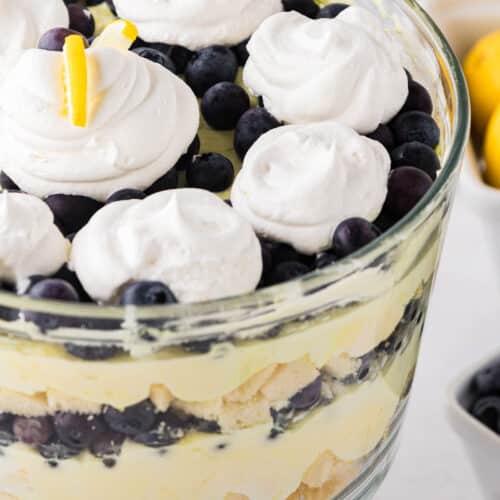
[{"x": 223, "y": 297}]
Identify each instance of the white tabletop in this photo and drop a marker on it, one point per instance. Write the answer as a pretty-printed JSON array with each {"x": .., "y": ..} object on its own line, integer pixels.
[{"x": 461, "y": 329}]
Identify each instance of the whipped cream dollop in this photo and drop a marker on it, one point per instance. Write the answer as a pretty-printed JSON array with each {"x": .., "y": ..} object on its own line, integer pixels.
[
  {"x": 299, "y": 182},
  {"x": 23, "y": 22},
  {"x": 188, "y": 239},
  {"x": 197, "y": 23},
  {"x": 142, "y": 119},
  {"x": 31, "y": 242},
  {"x": 346, "y": 69}
]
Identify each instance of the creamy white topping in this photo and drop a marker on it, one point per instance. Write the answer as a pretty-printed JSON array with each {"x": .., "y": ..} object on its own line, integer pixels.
[
  {"x": 23, "y": 22},
  {"x": 346, "y": 69},
  {"x": 142, "y": 119},
  {"x": 298, "y": 182},
  {"x": 187, "y": 238},
  {"x": 197, "y": 23},
  {"x": 31, "y": 242}
]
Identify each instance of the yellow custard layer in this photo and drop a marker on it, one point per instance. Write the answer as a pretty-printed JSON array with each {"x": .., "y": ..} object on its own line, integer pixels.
[{"x": 250, "y": 464}]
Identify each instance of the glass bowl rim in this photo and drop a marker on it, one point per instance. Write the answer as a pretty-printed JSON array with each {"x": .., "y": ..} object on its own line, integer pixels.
[{"x": 300, "y": 286}]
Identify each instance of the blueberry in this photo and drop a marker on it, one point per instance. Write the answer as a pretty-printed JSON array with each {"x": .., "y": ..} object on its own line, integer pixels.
[
  {"x": 332, "y": 10},
  {"x": 487, "y": 382},
  {"x": 7, "y": 436},
  {"x": 54, "y": 39},
  {"x": 164, "y": 183},
  {"x": 250, "y": 127},
  {"x": 307, "y": 397},
  {"x": 157, "y": 57},
  {"x": 50, "y": 289},
  {"x": 267, "y": 258},
  {"x": 224, "y": 104},
  {"x": 407, "y": 186},
  {"x": 384, "y": 221},
  {"x": 78, "y": 431},
  {"x": 325, "y": 260},
  {"x": 353, "y": 234},
  {"x": 287, "y": 271},
  {"x": 139, "y": 42},
  {"x": 56, "y": 450},
  {"x": 168, "y": 429},
  {"x": 384, "y": 135},
  {"x": 70, "y": 277},
  {"x": 186, "y": 159},
  {"x": 282, "y": 252},
  {"x": 487, "y": 411},
  {"x": 164, "y": 48},
  {"x": 91, "y": 353},
  {"x": 32, "y": 281},
  {"x": 306, "y": 7},
  {"x": 198, "y": 346},
  {"x": 416, "y": 154},
  {"x": 241, "y": 52},
  {"x": 53, "y": 289},
  {"x": 206, "y": 426},
  {"x": 133, "y": 420},
  {"x": 81, "y": 20},
  {"x": 416, "y": 126},
  {"x": 108, "y": 444},
  {"x": 209, "y": 66},
  {"x": 126, "y": 194},
  {"x": 7, "y": 183},
  {"x": 210, "y": 171},
  {"x": 418, "y": 99},
  {"x": 33, "y": 431},
  {"x": 72, "y": 212},
  {"x": 147, "y": 293},
  {"x": 180, "y": 56},
  {"x": 91, "y": 3}
]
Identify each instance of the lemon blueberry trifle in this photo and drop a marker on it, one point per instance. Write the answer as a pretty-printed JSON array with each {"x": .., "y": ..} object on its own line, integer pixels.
[{"x": 138, "y": 175}]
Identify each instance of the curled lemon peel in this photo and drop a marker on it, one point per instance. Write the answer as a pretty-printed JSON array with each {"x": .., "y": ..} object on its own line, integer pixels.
[
  {"x": 75, "y": 80},
  {"x": 119, "y": 35}
]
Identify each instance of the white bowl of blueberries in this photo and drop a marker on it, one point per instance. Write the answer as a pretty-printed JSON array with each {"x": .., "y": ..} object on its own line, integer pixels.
[{"x": 474, "y": 412}]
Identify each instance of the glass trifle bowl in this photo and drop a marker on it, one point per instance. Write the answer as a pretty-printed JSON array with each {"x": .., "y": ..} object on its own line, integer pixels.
[{"x": 296, "y": 391}]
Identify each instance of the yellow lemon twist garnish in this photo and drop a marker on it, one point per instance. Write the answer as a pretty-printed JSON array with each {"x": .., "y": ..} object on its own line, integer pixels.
[
  {"x": 119, "y": 35},
  {"x": 75, "y": 79}
]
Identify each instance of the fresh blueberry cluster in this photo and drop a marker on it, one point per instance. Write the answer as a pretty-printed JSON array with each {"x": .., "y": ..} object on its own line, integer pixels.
[
  {"x": 410, "y": 139},
  {"x": 485, "y": 389},
  {"x": 66, "y": 435}
]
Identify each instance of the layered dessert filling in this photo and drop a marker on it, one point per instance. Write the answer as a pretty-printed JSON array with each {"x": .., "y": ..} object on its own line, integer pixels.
[
  {"x": 172, "y": 153},
  {"x": 276, "y": 411}
]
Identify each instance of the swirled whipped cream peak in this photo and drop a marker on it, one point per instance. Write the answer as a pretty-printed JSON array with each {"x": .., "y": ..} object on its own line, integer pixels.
[
  {"x": 142, "y": 119},
  {"x": 346, "y": 69},
  {"x": 188, "y": 239},
  {"x": 197, "y": 23},
  {"x": 31, "y": 242},
  {"x": 23, "y": 22},
  {"x": 299, "y": 182}
]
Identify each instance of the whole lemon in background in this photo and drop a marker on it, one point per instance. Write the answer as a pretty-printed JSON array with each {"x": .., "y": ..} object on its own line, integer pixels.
[
  {"x": 492, "y": 150},
  {"x": 482, "y": 70}
]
